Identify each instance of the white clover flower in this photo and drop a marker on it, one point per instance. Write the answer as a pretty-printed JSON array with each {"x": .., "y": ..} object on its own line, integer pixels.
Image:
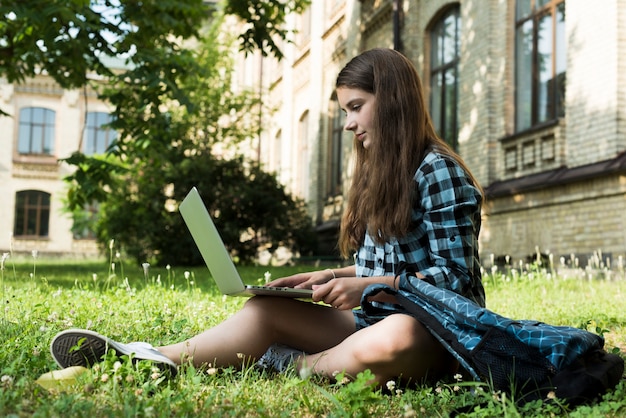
[
  {"x": 146, "y": 268},
  {"x": 35, "y": 253},
  {"x": 458, "y": 377},
  {"x": 4, "y": 257},
  {"x": 391, "y": 385},
  {"x": 267, "y": 276},
  {"x": 111, "y": 243},
  {"x": 6, "y": 380},
  {"x": 187, "y": 274},
  {"x": 104, "y": 378},
  {"x": 116, "y": 366}
]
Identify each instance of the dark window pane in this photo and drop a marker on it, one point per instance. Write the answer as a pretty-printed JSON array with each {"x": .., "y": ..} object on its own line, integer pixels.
[
  {"x": 32, "y": 214},
  {"x": 450, "y": 130},
  {"x": 443, "y": 78},
  {"x": 545, "y": 70},
  {"x": 524, "y": 76},
  {"x": 449, "y": 41},
  {"x": 436, "y": 102},
  {"x": 540, "y": 63}
]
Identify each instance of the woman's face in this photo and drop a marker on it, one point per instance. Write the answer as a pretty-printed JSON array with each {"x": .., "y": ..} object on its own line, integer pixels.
[{"x": 358, "y": 105}]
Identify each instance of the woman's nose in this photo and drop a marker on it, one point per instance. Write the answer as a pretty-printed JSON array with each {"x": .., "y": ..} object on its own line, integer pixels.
[{"x": 349, "y": 125}]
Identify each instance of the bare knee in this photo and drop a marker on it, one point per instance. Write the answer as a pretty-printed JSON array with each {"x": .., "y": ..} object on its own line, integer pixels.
[{"x": 400, "y": 346}]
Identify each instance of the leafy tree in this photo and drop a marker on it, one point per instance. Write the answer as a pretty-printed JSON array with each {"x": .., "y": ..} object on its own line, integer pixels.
[
  {"x": 172, "y": 105},
  {"x": 250, "y": 210},
  {"x": 69, "y": 38}
]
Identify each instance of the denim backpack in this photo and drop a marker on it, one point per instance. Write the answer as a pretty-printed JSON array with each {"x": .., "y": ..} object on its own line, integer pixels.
[{"x": 526, "y": 358}]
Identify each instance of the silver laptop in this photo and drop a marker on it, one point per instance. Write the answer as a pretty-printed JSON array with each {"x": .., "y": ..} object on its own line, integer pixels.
[{"x": 216, "y": 256}]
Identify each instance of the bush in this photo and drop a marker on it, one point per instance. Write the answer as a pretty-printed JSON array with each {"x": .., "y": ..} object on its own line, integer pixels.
[{"x": 250, "y": 209}]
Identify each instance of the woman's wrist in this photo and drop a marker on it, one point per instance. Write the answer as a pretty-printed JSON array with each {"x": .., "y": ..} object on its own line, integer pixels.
[{"x": 332, "y": 272}]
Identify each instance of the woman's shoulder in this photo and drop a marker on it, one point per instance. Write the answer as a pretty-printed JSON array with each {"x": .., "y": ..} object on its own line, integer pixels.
[{"x": 437, "y": 161}]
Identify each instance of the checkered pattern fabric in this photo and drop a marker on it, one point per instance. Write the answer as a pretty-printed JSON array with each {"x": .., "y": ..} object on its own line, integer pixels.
[
  {"x": 443, "y": 244},
  {"x": 491, "y": 347}
]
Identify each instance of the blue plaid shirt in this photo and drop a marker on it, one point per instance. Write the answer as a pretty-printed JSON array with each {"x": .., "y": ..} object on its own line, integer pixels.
[{"x": 443, "y": 243}]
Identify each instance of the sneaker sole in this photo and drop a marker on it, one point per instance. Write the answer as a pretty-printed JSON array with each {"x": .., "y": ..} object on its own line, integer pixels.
[{"x": 78, "y": 348}]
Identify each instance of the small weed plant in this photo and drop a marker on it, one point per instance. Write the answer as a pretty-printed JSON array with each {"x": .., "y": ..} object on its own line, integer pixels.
[{"x": 164, "y": 305}]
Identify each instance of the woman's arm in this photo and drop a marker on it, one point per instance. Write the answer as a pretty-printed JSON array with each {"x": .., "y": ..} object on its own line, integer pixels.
[{"x": 451, "y": 218}]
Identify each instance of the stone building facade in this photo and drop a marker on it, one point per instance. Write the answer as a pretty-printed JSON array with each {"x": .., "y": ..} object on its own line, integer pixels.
[
  {"x": 532, "y": 94},
  {"x": 538, "y": 95},
  {"x": 45, "y": 124}
]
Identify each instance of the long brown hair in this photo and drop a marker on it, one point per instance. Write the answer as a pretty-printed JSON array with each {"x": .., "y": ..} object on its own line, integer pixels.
[{"x": 382, "y": 191}]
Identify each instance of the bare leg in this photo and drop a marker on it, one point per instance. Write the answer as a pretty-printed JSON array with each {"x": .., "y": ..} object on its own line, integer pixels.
[
  {"x": 397, "y": 346},
  {"x": 264, "y": 321}
]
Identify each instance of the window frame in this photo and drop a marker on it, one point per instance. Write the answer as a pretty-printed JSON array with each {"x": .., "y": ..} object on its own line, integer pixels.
[
  {"x": 23, "y": 208},
  {"x": 440, "y": 69},
  {"x": 553, "y": 105},
  {"x": 94, "y": 131},
  {"x": 47, "y": 126},
  {"x": 334, "y": 176}
]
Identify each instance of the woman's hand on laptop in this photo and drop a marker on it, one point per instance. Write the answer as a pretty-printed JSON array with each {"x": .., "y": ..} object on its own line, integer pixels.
[{"x": 303, "y": 280}]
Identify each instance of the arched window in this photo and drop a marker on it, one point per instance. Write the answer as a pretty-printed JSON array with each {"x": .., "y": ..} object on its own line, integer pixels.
[
  {"x": 32, "y": 214},
  {"x": 36, "y": 131},
  {"x": 540, "y": 62},
  {"x": 98, "y": 137},
  {"x": 444, "y": 39}
]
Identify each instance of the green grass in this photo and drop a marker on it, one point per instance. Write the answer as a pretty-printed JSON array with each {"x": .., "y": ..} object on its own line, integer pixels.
[{"x": 41, "y": 298}]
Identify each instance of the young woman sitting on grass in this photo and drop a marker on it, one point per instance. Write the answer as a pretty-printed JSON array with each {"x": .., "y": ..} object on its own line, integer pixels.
[{"x": 413, "y": 202}]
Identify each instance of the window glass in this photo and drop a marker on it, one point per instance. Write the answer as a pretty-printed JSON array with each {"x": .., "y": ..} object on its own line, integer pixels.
[
  {"x": 544, "y": 68},
  {"x": 36, "y": 131},
  {"x": 561, "y": 60},
  {"x": 443, "y": 77},
  {"x": 32, "y": 214},
  {"x": 335, "y": 149},
  {"x": 436, "y": 100},
  {"x": 540, "y": 62},
  {"x": 98, "y": 137},
  {"x": 524, "y": 75},
  {"x": 523, "y": 9},
  {"x": 451, "y": 107},
  {"x": 450, "y": 38}
]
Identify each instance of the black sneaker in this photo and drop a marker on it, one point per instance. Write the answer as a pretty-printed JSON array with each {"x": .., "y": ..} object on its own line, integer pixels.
[{"x": 278, "y": 358}]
